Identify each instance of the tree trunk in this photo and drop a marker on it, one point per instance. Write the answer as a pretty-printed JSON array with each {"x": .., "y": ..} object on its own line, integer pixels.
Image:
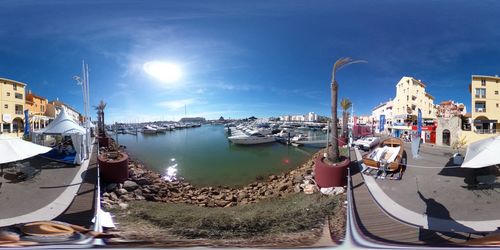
[
  {"x": 344, "y": 124},
  {"x": 333, "y": 152}
]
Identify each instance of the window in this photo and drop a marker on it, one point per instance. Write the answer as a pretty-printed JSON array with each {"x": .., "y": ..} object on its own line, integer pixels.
[
  {"x": 480, "y": 106},
  {"x": 483, "y": 82},
  {"x": 496, "y": 92},
  {"x": 19, "y": 96},
  {"x": 8, "y": 93},
  {"x": 42, "y": 108},
  {"x": 6, "y": 106},
  {"x": 480, "y": 93},
  {"x": 15, "y": 86},
  {"x": 497, "y": 105}
]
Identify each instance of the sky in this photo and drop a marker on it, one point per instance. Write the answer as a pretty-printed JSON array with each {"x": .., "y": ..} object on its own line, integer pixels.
[{"x": 241, "y": 58}]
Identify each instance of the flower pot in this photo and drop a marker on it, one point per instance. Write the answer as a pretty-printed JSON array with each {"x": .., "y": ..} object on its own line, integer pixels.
[
  {"x": 342, "y": 141},
  {"x": 113, "y": 170},
  {"x": 331, "y": 176},
  {"x": 103, "y": 141}
]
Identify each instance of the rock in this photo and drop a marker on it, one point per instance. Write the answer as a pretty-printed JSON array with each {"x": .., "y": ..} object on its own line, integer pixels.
[
  {"x": 130, "y": 185},
  {"x": 222, "y": 203},
  {"x": 201, "y": 197},
  {"x": 110, "y": 187},
  {"x": 123, "y": 205},
  {"x": 138, "y": 192},
  {"x": 121, "y": 191},
  {"x": 143, "y": 181},
  {"x": 127, "y": 197},
  {"x": 273, "y": 177},
  {"x": 149, "y": 197},
  {"x": 105, "y": 194},
  {"x": 297, "y": 188},
  {"x": 298, "y": 179},
  {"x": 282, "y": 187},
  {"x": 113, "y": 196},
  {"x": 268, "y": 193},
  {"x": 242, "y": 195}
]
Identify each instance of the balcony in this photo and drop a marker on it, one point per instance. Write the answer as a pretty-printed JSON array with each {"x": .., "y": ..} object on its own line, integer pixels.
[
  {"x": 481, "y": 96},
  {"x": 480, "y": 110},
  {"x": 19, "y": 112}
]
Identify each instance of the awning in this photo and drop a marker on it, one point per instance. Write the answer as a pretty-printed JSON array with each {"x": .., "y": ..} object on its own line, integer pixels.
[
  {"x": 482, "y": 153},
  {"x": 15, "y": 149}
]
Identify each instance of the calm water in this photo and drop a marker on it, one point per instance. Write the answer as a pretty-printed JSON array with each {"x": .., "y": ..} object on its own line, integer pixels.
[{"x": 205, "y": 157}]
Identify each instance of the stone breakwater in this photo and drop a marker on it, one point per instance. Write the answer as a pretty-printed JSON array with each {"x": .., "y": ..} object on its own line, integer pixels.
[{"x": 144, "y": 184}]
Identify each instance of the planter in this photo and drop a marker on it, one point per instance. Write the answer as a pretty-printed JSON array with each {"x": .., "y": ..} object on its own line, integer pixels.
[
  {"x": 458, "y": 159},
  {"x": 342, "y": 141},
  {"x": 103, "y": 141},
  {"x": 331, "y": 176},
  {"x": 113, "y": 170}
]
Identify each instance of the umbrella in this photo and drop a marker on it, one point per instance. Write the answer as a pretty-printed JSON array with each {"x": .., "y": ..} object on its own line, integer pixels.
[
  {"x": 15, "y": 149},
  {"x": 483, "y": 153}
]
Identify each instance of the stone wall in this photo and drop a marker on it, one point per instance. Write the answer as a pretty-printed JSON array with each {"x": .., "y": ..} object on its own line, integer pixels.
[{"x": 453, "y": 125}]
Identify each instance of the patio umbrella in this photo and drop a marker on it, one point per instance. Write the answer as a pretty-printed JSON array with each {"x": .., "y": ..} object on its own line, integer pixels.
[
  {"x": 483, "y": 153},
  {"x": 15, "y": 149}
]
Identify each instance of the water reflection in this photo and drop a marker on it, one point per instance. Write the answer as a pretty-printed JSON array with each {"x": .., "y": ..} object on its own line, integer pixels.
[{"x": 171, "y": 171}]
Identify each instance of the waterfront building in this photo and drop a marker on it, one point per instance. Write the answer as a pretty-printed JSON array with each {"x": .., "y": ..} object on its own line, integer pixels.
[
  {"x": 382, "y": 112},
  {"x": 312, "y": 117},
  {"x": 448, "y": 109},
  {"x": 55, "y": 107},
  {"x": 485, "y": 104},
  {"x": 411, "y": 96},
  {"x": 363, "y": 120},
  {"x": 11, "y": 105},
  {"x": 37, "y": 107},
  {"x": 193, "y": 120}
]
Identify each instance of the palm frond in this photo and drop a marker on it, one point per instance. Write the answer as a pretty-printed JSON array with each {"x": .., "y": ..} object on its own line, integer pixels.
[
  {"x": 345, "y": 104},
  {"x": 342, "y": 62}
]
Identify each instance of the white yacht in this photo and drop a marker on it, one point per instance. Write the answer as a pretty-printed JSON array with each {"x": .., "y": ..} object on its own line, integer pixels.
[
  {"x": 304, "y": 140},
  {"x": 251, "y": 138},
  {"x": 148, "y": 130}
]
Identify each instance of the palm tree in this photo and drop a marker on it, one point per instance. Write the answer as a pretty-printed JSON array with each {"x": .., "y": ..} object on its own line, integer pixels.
[
  {"x": 333, "y": 152},
  {"x": 100, "y": 116},
  {"x": 345, "y": 104}
]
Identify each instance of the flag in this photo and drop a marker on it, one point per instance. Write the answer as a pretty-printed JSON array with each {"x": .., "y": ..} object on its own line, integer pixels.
[
  {"x": 382, "y": 123},
  {"x": 419, "y": 123},
  {"x": 26, "y": 123},
  {"x": 415, "y": 142}
]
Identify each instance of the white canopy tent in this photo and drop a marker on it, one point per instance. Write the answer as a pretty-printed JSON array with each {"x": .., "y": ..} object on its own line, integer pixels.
[
  {"x": 16, "y": 149},
  {"x": 64, "y": 125},
  {"x": 483, "y": 153}
]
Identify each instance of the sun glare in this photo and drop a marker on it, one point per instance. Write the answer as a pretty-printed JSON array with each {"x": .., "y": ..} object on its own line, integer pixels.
[{"x": 163, "y": 71}]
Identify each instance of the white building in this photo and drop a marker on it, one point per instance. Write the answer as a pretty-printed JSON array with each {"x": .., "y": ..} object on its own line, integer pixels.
[
  {"x": 384, "y": 109},
  {"x": 312, "y": 117}
]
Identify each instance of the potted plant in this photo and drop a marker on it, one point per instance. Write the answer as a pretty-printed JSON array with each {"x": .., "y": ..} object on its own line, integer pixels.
[
  {"x": 458, "y": 159},
  {"x": 113, "y": 164},
  {"x": 331, "y": 171}
]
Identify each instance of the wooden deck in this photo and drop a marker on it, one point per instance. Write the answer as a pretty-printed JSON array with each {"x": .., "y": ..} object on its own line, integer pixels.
[
  {"x": 378, "y": 227},
  {"x": 82, "y": 208}
]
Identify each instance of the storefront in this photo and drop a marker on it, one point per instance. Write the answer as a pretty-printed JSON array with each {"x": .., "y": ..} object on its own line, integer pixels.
[{"x": 428, "y": 133}]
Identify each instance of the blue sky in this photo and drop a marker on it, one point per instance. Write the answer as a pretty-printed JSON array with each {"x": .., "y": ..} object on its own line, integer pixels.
[{"x": 243, "y": 58}]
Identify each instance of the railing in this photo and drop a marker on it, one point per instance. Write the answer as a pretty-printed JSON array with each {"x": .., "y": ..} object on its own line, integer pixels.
[
  {"x": 19, "y": 112},
  {"x": 481, "y": 96},
  {"x": 480, "y": 110},
  {"x": 487, "y": 131}
]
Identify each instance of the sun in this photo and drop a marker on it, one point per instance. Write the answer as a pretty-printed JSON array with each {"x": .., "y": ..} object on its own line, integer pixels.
[{"x": 163, "y": 71}]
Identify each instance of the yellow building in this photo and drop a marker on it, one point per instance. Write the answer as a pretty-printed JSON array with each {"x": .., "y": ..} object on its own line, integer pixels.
[
  {"x": 411, "y": 96},
  {"x": 37, "y": 107},
  {"x": 485, "y": 104},
  {"x": 11, "y": 105}
]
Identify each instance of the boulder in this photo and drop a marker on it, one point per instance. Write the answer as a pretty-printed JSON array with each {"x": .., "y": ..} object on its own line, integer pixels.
[
  {"x": 242, "y": 195},
  {"x": 143, "y": 181},
  {"x": 222, "y": 203},
  {"x": 130, "y": 185},
  {"x": 121, "y": 191},
  {"x": 110, "y": 187}
]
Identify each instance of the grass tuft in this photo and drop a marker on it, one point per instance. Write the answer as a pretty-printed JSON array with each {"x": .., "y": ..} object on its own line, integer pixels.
[{"x": 294, "y": 213}]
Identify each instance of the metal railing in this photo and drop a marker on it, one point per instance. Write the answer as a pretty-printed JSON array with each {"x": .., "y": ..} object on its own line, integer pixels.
[
  {"x": 480, "y": 110},
  {"x": 481, "y": 96}
]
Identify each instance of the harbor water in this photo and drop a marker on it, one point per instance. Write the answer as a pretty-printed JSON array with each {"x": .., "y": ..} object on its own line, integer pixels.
[{"x": 203, "y": 156}]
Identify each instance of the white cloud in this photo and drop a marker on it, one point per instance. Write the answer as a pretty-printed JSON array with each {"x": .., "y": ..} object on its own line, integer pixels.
[{"x": 176, "y": 104}]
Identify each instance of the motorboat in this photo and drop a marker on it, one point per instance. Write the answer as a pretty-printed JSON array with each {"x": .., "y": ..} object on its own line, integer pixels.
[
  {"x": 388, "y": 157},
  {"x": 148, "y": 130},
  {"x": 304, "y": 140},
  {"x": 251, "y": 138},
  {"x": 366, "y": 143}
]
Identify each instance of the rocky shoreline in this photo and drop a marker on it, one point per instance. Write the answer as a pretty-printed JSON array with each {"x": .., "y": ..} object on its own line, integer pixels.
[{"x": 144, "y": 184}]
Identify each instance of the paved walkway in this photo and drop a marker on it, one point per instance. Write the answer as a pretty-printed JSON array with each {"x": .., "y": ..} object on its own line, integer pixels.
[
  {"x": 433, "y": 194},
  {"x": 376, "y": 225},
  {"x": 43, "y": 197}
]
